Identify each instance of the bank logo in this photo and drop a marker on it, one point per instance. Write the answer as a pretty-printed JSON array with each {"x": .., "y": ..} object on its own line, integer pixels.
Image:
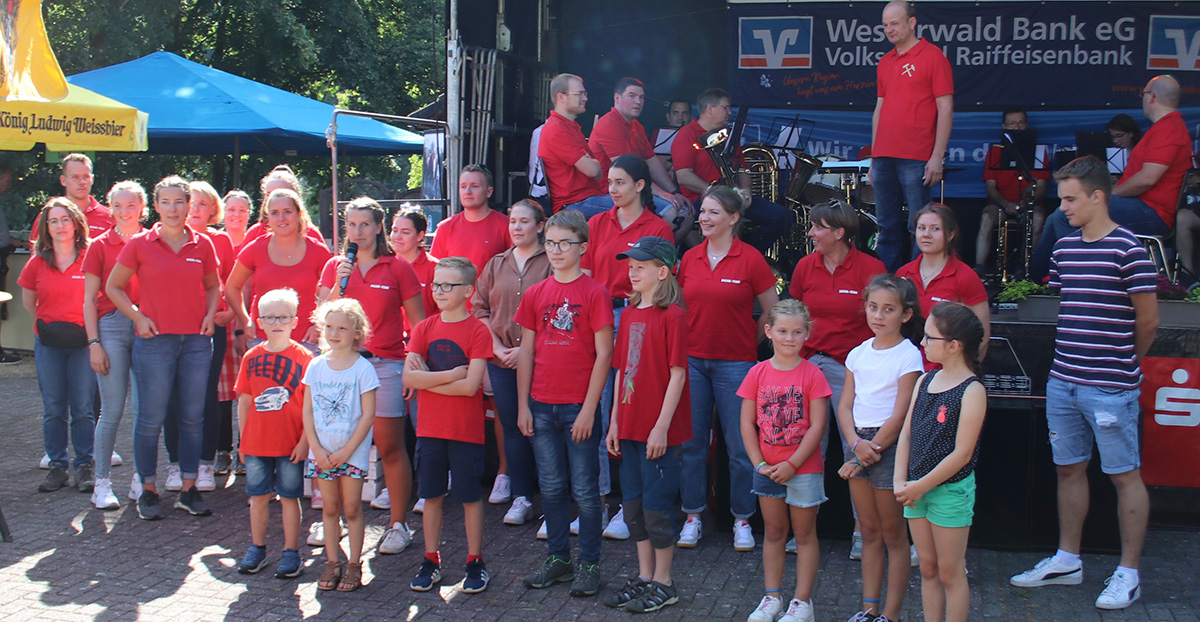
[
  {"x": 1177, "y": 405},
  {"x": 774, "y": 42},
  {"x": 1174, "y": 43}
]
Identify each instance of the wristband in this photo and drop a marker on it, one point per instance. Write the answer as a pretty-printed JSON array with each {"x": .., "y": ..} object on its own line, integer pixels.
[
  {"x": 91, "y": 341},
  {"x": 794, "y": 467},
  {"x": 238, "y": 332},
  {"x": 760, "y": 465},
  {"x": 856, "y": 442}
]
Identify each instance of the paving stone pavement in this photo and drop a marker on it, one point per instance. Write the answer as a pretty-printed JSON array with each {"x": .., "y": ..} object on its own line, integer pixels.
[{"x": 71, "y": 562}]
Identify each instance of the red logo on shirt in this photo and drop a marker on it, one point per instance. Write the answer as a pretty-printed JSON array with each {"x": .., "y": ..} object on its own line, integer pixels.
[{"x": 941, "y": 414}]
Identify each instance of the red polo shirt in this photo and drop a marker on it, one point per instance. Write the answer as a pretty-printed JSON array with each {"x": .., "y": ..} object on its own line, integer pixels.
[
  {"x": 99, "y": 220},
  {"x": 172, "y": 284},
  {"x": 613, "y": 136},
  {"x": 720, "y": 303},
  {"x": 955, "y": 283},
  {"x": 478, "y": 241},
  {"x": 1007, "y": 183},
  {"x": 100, "y": 258},
  {"x": 835, "y": 301},
  {"x": 684, "y": 155},
  {"x": 1166, "y": 143},
  {"x": 258, "y": 229},
  {"x": 606, "y": 239},
  {"x": 423, "y": 267},
  {"x": 560, "y": 147},
  {"x": 59, "y": 294},
  {"x": 303, "y": 277},
  {"x": 381, "y": 293},
  {"x": 909, "y": 84}
]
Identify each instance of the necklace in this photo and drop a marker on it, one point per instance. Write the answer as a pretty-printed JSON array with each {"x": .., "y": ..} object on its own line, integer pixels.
[
  {"x": 928, "y": 275},
  {"x": 124, "y": 235}
]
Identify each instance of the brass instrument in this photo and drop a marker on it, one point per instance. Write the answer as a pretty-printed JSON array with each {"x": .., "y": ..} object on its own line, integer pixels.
[
  {"x": 714, "y": 143},
  {"x": 1003, "y": 232},
  {"x": 763, "y": 170}
]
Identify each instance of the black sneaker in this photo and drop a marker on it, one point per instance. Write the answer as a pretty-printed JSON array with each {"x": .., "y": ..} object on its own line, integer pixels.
[
  {"x": 477, "y": 577},
  {"x": 223, "y": 463},
  {"x": 190, "y": 501},
  {"x": 587, "y": 579},
  {"x": 56, "y": 478},
  {"x": 631, "y": 590},
  {"x": 553, "y": 570},
  {"x": 148, "y": 507},
  {"x": 9, "y": 358},
  {"x": 429, "y": 574},
  {"x": 85, "y": 479},
  {"x": 654, "y": 597}
]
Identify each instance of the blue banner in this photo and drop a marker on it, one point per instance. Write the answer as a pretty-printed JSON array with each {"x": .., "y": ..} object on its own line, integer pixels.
[{"x": 1055, "y": 54}]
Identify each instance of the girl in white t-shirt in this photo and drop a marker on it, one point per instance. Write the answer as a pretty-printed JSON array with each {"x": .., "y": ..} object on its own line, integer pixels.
[
  {"x": 880, "y": 376},
  {"x": 339, "y": 409}
]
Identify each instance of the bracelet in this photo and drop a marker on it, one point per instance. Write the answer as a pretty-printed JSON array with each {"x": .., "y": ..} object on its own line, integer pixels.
[
  {"x": 856, "y": 442},
  {"x": 794, "y": 467},
  {"x": 91, "y": 341},
  {"x": 760, "y": 465},
  {"x": 238, "y": 332}
]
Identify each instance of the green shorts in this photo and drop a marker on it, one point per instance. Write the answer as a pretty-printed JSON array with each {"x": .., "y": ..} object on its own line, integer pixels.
[{"x": 948, "y": 505}]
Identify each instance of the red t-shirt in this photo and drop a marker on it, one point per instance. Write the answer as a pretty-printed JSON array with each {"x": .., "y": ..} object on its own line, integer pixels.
[
  {"x": 956, "y": 283},
  {"x": 720, "y": 303},
  {"x": 424, "y": 267},
  {"x": 304, "y": 277},
  {"x": 606, "y": 239},
  {"x": 650, "y": 343},
  {"x": 565, "y": 317},
  {"x": 781, "y": 406},
  {"x": 172, "y": 285},
  {"x": 560, "y": 147},
  {"x": 223, "y": 245},
  {"x": 478, "y": 241},
  {"x": 613, "y": 136},
  {"x": 382, "y": 293},
  {"x": 1006, "y": 180},
  {"x": 684, "y": 155},
  {"x": 100, "y": 258},
  {"x": 446, "y": 345},
  {"x": 835, "y": 301},
  {"x": 258, "y": 229},
  {"x": 99, "y": 220},
  {"x": 1166, "y": 143},
  {"x": 909, "y": 84},
  {"x": 275, "y": 423},
  {"x": 59, "y": 294}
]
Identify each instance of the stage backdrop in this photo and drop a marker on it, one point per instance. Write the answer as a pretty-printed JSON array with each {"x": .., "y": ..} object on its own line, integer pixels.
[{"x": 1067, "y": 54}]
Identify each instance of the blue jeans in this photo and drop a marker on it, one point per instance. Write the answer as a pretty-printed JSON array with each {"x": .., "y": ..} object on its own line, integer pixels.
[
  {"x": 68, "y": 384},
  {"x": 715, "y": 382},
  {"x": 211, "y": 433},
  {"x": 557, "y": 455},
  {"x": 1079, "y": 414},
  {"x": 116, "y": 337},
  {"x": 166, "y": 366},
  {"x": 835, "y": 375},
  {"x": 605, "y": 413},
  {"x": 518, "y": 451},
  {"x": 1129, "y": 212},
  {"x": 897, "y": 183},
  {"x": 592, "y": 205}
]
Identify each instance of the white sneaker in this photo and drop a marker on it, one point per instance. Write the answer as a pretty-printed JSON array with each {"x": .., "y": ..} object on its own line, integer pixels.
[
  {"x": 205, "y": 480},
  {"x": 102, "y": 495},
  {"x": 798, "y": 611},
  {"x": 856, "y": 546},
  {"x": 382, "y": 501},
  {"x": 689, "y": 536},
  {"x": 135, "y": 487},
  {"x": 318, "y": 501},
  {"x": 790, "y": 547},
  {"x": 743, "y": 538},
  {"x": 520, "y": 512},
  {"x": 617, "y": 529},
  {"x": 575, "y": 526},
  {"x": 116, "y": 460},
  {"x": 501, "y": 490},
  {"x": 914, "y": 560},
  {"x": 174, "y": 479},
  {"x": 541, "y": 532},
  {"x": 767, "y": 609},
  {"x": 316, "y": 533},
  {"x": 1119, "y": 592},
  {"x": 419, "y": 507},
  {"x": 395, "y": 539},
  {"x": 1050, "y": 572},
  {"x": 44, "y": 463}
]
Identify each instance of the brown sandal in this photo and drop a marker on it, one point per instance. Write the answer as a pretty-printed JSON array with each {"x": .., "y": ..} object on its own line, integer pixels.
[
  {"x": 330, "y": 578},
  {"x": 352, "y": 580}
]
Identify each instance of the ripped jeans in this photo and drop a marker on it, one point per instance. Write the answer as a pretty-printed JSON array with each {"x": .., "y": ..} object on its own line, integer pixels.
[{"x": 1078, "y": 413}]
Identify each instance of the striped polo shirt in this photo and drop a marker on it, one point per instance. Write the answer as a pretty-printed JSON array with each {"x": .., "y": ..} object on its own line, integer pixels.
[{"x": 1094, "y": 344}]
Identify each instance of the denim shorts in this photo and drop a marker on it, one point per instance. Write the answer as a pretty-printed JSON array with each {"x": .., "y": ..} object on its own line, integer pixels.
[
  {"x": 947, "y": 505},
  {"x": 1077, "y": 414},
  {"x": 437, "y": 457},
  {"x": 802, "y": 491},
  {"x": 269, "y": 475},
  {"x": 389, "y": 397},
  {"x": 880, "y": 473}
]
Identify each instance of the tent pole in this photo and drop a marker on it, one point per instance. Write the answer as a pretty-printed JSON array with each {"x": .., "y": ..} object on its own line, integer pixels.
[{"x": 237, "y": 161}]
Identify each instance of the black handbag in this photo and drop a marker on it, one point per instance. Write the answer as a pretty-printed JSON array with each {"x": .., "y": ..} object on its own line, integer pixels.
[{"x": 61, "y": 334}]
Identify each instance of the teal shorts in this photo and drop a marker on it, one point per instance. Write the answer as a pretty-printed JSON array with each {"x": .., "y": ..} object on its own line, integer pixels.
[{"x": 948, "y": 505}]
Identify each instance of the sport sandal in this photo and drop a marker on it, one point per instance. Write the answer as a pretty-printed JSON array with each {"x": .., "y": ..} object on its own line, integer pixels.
[
  {"x": 352, "y": 579},
  {"x": 330, "y": 578}
]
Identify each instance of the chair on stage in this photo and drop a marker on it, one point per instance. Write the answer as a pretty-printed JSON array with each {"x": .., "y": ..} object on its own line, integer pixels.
[{"x": 1162, "y": 248}]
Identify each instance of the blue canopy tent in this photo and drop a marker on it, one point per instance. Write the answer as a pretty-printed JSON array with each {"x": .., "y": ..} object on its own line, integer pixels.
[{"x": 198, "y": 110}]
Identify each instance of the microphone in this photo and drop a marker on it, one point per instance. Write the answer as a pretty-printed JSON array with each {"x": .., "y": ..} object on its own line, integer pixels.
[{"x": 351, "y": 254}]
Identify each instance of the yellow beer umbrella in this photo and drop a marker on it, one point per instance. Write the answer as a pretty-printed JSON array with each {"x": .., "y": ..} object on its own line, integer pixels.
[{"x": 81, "y": 121}]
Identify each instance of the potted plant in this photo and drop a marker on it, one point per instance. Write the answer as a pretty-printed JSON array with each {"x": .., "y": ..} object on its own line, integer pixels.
[
  {"x": 1176, "y": 306},
  {"x": 1032, "y": 300}
]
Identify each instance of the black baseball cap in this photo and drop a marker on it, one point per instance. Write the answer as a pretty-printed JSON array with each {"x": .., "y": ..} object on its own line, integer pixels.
[{"x": 652, "y": 247}]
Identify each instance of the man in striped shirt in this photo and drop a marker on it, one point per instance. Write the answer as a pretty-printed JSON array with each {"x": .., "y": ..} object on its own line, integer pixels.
[{"x": 1107, "y": 319}]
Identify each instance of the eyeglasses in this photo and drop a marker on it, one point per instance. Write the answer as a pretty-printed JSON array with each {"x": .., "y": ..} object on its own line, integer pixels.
[
  {"x": 276, "y": 319},
  {"x": 928, "y": 338},
  {"x": 1145, "y": 92},
  {"x": 579, "y": 93},
  {"x": 561, "y": 246},
  {"x": 445, "y": 287},
  {"x": 1118, "y": 135}
]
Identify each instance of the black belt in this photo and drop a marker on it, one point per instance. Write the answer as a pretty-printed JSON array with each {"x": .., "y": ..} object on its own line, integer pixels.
[
  {"x": 366, "y": 354},
  {"x": 620, "y": 302}
]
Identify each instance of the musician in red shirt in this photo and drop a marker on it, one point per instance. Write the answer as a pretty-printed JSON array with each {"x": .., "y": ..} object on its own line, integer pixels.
[{"x": 1004, "y": 191}]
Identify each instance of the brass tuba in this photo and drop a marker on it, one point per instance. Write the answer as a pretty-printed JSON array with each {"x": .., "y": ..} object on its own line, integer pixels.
[
  {"x": 763, "y": 170},
  {"x": 714, "y": 143}
]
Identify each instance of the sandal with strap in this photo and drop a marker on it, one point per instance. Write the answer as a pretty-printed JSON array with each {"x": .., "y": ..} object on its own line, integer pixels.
[
  {"x": 330, "y": 578},
  {"x": 352, "y": 580}
]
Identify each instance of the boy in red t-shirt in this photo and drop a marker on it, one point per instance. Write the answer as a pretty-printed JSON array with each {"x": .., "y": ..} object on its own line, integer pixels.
[
  {"x": 271, "y": 428},
  {"x": 447, "y": 357}
]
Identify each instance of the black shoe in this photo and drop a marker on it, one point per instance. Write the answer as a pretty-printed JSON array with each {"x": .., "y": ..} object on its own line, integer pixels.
[
  {"x": 148, "y": 507},
  {"x": 476, "y": 580},
  {"x": 553, "y": 570},
  {"x": 223, "y": 463},
  {"x": 85, "y": 479},
  {"x": 9, "y": 358},
  {"x": 429, "y": 574},
  {"x": 654, "y": 597},
  {"x": 55, "y": 479},
  {"x": 628, "y": 592},
  {"x": 587, "y": 579},
  {"x": 190, "y": 501}
]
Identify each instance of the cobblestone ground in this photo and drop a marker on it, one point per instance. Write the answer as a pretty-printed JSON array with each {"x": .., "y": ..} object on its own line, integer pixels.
[{"x": 71, "y": 562}]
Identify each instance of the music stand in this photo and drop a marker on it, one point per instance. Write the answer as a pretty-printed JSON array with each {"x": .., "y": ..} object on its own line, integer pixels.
[
  {"x": 664, "y": 137},
  {"x": 1100, "y": 145}
]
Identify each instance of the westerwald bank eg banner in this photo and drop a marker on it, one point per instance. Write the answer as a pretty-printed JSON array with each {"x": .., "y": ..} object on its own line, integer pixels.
[{"x": 1066, "y": 53}]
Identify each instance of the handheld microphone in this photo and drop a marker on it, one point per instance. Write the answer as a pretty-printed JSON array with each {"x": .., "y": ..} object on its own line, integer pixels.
[{"x": 351, "y": 254}]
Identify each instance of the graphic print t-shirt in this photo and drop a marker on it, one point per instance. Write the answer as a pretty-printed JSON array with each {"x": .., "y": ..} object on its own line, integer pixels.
[
  {"x": 275, "y": 422},
  {"x": 565, "y": 317},
  {"x": 650, "y": 343},
  {"x": 446, "y": 345},
  {"x": 781, "y": 409},
  {"x": 337, "y": 405}
]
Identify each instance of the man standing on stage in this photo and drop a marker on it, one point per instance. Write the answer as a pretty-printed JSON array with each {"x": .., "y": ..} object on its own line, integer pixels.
[
  {"x": 573, "y": 170},
  {"x": 910, "y": 128}
]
